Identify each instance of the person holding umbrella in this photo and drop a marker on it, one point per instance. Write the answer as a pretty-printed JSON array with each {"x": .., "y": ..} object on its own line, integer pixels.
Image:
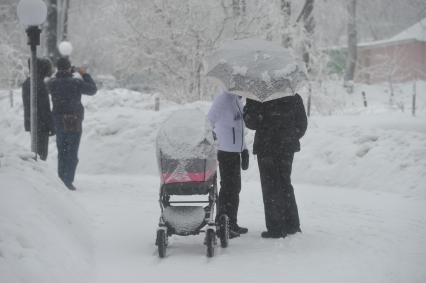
[
  {"x": 268, "y": 76},
  {"x": 279, "y": 124},
  {"x": 226, "y": 118}
]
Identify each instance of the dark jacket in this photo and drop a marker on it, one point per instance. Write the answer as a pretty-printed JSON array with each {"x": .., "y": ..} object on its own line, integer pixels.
[
  {"x": 44, "y": 114},
  {"x": 66, "y": 92},
  {"x": 279, "y": 124}
]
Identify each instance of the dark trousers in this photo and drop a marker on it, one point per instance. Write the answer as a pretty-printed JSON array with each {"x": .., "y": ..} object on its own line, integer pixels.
[
  {"x": 230, "y": 184},
  {"x": 42, "y": 144},
  {"x": 67, "y": 144},
  {"x": 281, "y": 212}
]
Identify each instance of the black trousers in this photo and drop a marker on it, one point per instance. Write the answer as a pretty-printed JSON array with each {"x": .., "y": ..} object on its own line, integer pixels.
[
  {"x": 230, "y": 184},
  {"x": 281, "y": 212},
  {"x": 42, "y": 144},
  {"x": 67, "y": 144}
]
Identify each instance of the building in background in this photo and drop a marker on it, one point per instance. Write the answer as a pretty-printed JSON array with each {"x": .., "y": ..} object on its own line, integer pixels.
[{"x": 400, "y": 58}]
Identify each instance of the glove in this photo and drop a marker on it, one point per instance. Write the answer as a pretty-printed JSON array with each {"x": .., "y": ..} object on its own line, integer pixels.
[
  {"x": 244, "y": 159},
  {"x": 214, "y": 135}
]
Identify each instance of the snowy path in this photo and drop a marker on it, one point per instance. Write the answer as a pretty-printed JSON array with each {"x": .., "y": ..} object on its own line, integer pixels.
[{"x": 349, "y": 236}]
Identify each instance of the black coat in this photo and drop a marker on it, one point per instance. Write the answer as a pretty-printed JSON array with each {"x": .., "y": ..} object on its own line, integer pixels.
[
  {"x": 44, "y": 114},
  {"x": 66, "y": 93},
  {"x": 279, "y": 124}
]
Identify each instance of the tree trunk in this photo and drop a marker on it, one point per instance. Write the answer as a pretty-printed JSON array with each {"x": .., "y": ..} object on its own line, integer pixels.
[
  {"x": 286, "y": 14},
  {"x": 51, "y": 31},
  {"x": 352, "y": 42},
  {"x": 236, "y": 8},
  {"x": 243, "y": 6},
  {"x": 62, "y": 28},
  {"x": 309, "y": 26},
  {"x": 63, "y": 20},
  {"x": 57, "y": 26},
  {"x": 199, "y": 68}
]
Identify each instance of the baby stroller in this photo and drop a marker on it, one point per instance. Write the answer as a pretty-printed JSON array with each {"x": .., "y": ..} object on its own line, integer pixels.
[{"x": 186, "y": 156}]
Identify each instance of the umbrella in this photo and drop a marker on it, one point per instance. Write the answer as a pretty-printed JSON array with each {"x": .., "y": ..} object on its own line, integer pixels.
[{"x": 256, "y": 69}]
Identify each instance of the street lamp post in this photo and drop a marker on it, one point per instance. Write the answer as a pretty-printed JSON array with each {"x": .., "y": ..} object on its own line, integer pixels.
[{"x": 32, "y": 13}]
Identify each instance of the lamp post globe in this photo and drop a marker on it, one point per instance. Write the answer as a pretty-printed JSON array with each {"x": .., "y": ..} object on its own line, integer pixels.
[
  {"x": 65, "y": 48},
  {"x": 32, "y": 13}
]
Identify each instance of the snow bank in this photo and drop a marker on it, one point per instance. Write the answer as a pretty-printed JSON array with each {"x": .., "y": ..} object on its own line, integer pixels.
[
  {"x": 44, "y": 234},
  {"x": 374, "y": 148},
  {"x": 383, "y": 152},
  {"x": 122, "y": 126}
]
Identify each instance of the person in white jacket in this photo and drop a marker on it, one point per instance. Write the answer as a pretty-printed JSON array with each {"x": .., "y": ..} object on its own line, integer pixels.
[{"x": 226, "y": 118}]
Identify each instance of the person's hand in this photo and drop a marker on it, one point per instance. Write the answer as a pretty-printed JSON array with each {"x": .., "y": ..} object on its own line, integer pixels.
[
  {"x": 244, "y": 159},
  {"x": 82, "y": 70},
  {"x": 214, "y": 135},
  {"x": 52, "y": 133}
]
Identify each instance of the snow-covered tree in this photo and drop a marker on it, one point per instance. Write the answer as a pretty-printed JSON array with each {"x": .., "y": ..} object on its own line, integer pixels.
[
  {"x": 352, "y": 42},
  {"x": 55, "y": 28},
  {"x": 13, "y": 52}
]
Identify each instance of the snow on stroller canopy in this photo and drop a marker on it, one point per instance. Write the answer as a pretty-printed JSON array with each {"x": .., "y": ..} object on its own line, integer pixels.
[{"x": 186, "y": 134}]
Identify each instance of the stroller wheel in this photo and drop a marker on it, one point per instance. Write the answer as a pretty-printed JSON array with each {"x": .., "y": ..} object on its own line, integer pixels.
[
  {"x": 223, "y": 230},
  {"x": 210, "y": 241},
  {"x": 161, "y": 243}
]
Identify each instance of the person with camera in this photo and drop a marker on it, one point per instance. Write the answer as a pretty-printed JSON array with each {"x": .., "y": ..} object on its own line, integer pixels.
[
  {"x": 226, "y": 118},
  {"x": 68, "y": 115},
  {"x": 45, "y": 126}
]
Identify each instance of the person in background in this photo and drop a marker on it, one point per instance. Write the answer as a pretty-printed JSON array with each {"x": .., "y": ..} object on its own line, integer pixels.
[
  {"x": 226, "y": 118},
  {"x": 68, "y": 115},
  {"x": 279, "y": 124},
  {"x": 45, "y": 127}
]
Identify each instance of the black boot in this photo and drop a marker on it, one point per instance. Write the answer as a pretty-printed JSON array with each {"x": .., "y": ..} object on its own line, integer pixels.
[
  {"x": 292, "y": 231},
  {"x": 270, "y": 234},
  {"x": 239, "y": 229},
  {"x": 70, "y": 187},
  {"x": 233, "y": 234}
]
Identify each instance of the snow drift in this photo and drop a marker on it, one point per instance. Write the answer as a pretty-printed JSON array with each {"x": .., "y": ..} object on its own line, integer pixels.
[{"x": 44, "y": 233}]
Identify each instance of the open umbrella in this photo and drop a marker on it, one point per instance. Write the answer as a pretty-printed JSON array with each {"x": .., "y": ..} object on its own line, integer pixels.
[{"x": 256, "y": 69}]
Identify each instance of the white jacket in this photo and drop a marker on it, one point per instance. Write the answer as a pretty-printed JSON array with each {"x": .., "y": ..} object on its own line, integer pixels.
[{"x": 226, "y": 118}]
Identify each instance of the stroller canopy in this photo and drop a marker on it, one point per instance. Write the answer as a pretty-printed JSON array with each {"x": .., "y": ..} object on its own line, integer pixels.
[{"x": 186, "y": 134}]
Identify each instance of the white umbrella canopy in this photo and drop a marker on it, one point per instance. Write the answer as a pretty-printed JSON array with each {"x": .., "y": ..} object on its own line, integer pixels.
[{"x": 256, "y": 69}]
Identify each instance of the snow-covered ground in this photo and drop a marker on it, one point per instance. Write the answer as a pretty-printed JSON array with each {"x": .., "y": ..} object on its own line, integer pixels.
[{"x": 360, "y": 183}]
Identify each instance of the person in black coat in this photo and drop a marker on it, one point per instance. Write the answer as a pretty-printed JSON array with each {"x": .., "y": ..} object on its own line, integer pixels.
[
  {"x": 279, "y": 125},
  {"x": 45, "y": 127},
  {"x": 68, "y": 115}
]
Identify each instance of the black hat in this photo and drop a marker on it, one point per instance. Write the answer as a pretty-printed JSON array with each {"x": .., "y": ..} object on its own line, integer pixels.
[
  {"x": 63, "y": 64},
  {"x": 44, "y": 67}
]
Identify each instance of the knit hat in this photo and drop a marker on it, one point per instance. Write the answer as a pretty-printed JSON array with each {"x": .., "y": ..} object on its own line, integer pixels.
[{"x": 63, "y": 64}]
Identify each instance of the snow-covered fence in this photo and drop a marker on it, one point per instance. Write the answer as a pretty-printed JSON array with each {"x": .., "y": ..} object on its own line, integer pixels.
[
  {"x": 157, "y": 103},
  {"x": 413, "y": 110},
  {"x": 330, "y": 97},
  {"x": 11, "y": 97},
  {"x": 364, "y": 98}
]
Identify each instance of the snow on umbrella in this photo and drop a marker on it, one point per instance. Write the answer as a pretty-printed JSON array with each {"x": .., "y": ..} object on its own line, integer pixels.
[{"x": 256, "y": 69}]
